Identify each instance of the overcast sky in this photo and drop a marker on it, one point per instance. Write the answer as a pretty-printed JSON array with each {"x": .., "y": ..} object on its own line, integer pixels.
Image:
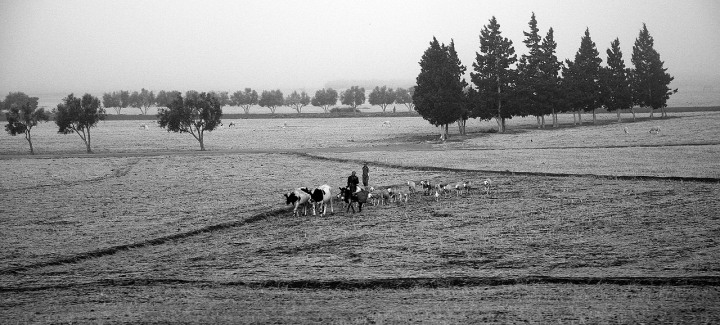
[{"x": 99, "y": 46}]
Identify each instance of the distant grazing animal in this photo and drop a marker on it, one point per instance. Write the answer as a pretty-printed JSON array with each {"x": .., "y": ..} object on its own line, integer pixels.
[
  {"x": 655, "y": 129},
  {"x": 426, "y": 186},
  {"x": 297, "y": 198},
  {"x": 349, "y": 197},
  {"x": 231, "y": 124},
  {"x": 468, "y": 186},
  {"x": 386, "y": 123},
  {"x": 459, "y": 187},
  {"x": 143, "y": 126},
  {"x": 437, "y": 196},
  {"x": 626, "y": 130},
  {"x": 442, "y": 188},
  {"x": 411, "y": 186},
  {"x": 487, "y": 183},
  {"x": 320, "y": 196}
]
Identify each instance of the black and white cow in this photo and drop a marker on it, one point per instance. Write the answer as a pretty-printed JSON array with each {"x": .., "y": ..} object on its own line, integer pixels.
[
  {"x": 298, "y": 197},
  {"x": 320, "y": 196}
]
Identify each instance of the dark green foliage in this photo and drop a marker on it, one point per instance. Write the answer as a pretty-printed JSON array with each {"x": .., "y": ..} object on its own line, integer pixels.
[
  {"x": 194, "y": 115},
  {"x": 271, "y": 99},
  {"x": 650, "y": 81},
  {"x": 439, "y": 96},
  {"x": 17, "y": 99},
  {"x": 382, "y": 96},
  {"x": 616, "y": 94},
  {"x": 297, "y": 101},
  {"x": 21, "y": 120},
  {"x": 583, "y": 77},
  {"x": 244, "y": 99},
  {"x": 325, "y": 98},
  {"x": 79, "y": 115},
  {"x": 494, "y": 77},
  {"x": 112, "y": 100},
  {"x": 529, "y": 72},
  {"x": 354, "y": 96}
]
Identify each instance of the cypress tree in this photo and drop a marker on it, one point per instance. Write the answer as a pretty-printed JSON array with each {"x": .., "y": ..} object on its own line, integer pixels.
[
  {"x": 650, "y": 81},
  {"x": 583, "y": 76},
  {"x": 616, "y": 85},
  {"x": 494, "y": 78},
  {"x": 439, "y": 96}
]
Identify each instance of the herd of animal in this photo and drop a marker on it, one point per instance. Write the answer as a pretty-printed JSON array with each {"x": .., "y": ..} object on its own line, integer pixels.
[{"x": 319, "y": 198}]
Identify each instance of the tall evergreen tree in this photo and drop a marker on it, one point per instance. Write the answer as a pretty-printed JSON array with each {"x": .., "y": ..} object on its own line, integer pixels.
[
  {"x": 549, "y": 84},
  {"x": 584, "y": 77},
  {"x": 529, "y": 72},
  {"x": 494, "y": 77},
  {"x": 616, "y": 94},
  {"x": 439, "y": 96},
  {"x": 650, "y": 81}
]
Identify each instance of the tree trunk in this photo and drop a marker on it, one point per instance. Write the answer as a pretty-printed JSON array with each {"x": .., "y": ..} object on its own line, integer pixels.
[
  {"x": 574, "y": 119},
  {"x": 594, "y": 120},
  {"x": 651, "y": 112},
  {"x": 542, "y": 118},
  {"x": 618, "y": 114},
  {"x": 497, "y": 119},
  {"x": 554, "y": 116},
  {"x": 632, "y": 109},
  {"x": 27, "y": 137},
  {"x": 579, "y": 117},
  {"x": 88, "y": 141},
  {"x": 538, "y": 120}
]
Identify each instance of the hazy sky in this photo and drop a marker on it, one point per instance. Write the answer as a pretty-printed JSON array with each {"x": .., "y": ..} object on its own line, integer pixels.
[{"x": 99, "y": 46}]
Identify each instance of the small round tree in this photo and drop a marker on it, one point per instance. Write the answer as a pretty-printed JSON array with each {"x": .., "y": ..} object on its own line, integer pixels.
[
  {"x": 79, "y": 115},
  {"x": 193, "y": 114},
  {"x": 21, "y": 120}
]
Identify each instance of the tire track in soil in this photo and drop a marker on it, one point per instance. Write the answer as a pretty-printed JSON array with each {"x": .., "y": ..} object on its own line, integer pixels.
[
  {"x": 118, "y": 172},
  {"x": 150, "y": 242},
  {"x": 389, "y": 283},
  {"x": 511, "y": 173}
]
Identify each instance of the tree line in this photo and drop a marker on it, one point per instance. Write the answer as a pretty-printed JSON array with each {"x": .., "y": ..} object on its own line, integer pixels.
[
  {"x": 537, "y": 84},
  {"x": 272, "y": 99}
]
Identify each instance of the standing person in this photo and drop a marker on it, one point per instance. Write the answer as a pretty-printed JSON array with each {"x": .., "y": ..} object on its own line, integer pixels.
[
  {"x": 352, "y": 182},
  {"x": 365, "y": 175}
]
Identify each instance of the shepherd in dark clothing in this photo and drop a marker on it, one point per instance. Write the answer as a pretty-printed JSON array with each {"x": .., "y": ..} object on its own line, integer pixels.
[
  {"x": 365, "y": 175},
  {"x": 352, "y": 182}
]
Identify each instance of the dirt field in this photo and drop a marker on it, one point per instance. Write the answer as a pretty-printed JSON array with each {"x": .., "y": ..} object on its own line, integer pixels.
[{"x": 147, "y": 234}]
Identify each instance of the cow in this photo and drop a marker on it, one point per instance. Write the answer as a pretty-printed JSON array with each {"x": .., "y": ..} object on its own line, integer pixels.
[
  {"x": 459, "y": 187},
  {"x": 655, "y": 129},
  {"x": 320, "y": 196},
  {"x": 426, "y": 186},
  {"x": 231, "y": 124},
  {"x": 347, "y": 196},
  {"x": 297, "y": 198}
]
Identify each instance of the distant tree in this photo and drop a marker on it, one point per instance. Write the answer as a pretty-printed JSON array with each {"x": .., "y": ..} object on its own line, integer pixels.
[
  {"x": 21, "y": 119},
  {"x": 650, "y": 81},
  {"x": 164, "y": 98},
  {"x": 17, "y": 99},
  {"x": 193, "y": 94},
  {"x": 222, "y": 97},
  {"x": 439, "y": 96},
  {"x": 271, "y": 99},
  {"x": 548, "y": 85},
  {"x": 135, "y": 101},
  {"x": 143, "y": 100},
  {"x": 112, "y": 100},
  {"x": 244, "y": 99},
  {"x": 325, "y": 98},
  {"x": 616, "y": 94},
  {"x": 494, "y": 77},
  {"x": 382, "y": 96},
  {"x": 124, "y": 98},
  {"x": 584, "y": 74},
  {"x": 79, "y": 115},
  {"x": 353, "y": 96},
  {"x": 297, "y": 101},
  {"x": 404, "y": 96},
  {"x": 194, "y": 115}
]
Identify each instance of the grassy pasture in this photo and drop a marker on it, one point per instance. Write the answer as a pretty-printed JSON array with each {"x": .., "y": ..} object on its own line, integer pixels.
[{"x": 157, "y": 237}]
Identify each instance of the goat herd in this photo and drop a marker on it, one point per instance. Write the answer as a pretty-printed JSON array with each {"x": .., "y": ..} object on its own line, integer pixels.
[{"x": 320, "y": 197}]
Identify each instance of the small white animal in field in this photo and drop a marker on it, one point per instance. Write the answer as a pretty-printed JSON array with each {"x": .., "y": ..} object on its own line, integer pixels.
[
  {"x": 468, "y": 186},
  {"x": 626, "y": 130},
  {"x": 487, "y": 183},
  {"x": 231, "y": 124},
  {"x": 411, "y": 186},
  {"x": 655, "y": 129},
  {"x": 385, "y": 123},
  {"x": 143, "y": 126},
  {"x": 284, "y": 125},
  {"x": 437, "y": 196}
]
